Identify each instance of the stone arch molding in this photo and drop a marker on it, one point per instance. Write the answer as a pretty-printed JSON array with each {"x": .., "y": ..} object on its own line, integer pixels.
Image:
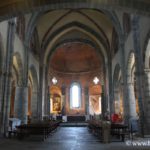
[
  {"x": 110, "y": 15},
  {"x": 54, "y": 40}
]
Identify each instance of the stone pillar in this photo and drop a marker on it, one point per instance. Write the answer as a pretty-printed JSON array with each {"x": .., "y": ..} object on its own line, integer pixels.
[
  {"x": 103, "y": 102},
  {"x": 68, "y": 104},
  {"x": 132, "y": 101},
  {"x": 46, "y": 92},
  {"x": 21, "y": 104},
  {"x": 1, "y": 100},
  {"x": 34, "y": 106},
  {"x": 116, "y": 99},
  {"x": 86, "y": 93},
  {"x": 147, "y": 102},
  {"x": 41, "y": 102},
  {"x": 139, "y": 69},
  {"x": 63, "y": 90},
  {"x": 7, "y": 76},
  {"x": 48, "y": 102}
]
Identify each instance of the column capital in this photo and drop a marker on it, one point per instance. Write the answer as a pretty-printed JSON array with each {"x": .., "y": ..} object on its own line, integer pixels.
[{"x": 146, "y": 70}]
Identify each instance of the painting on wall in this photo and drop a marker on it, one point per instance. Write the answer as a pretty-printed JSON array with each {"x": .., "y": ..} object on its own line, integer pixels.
[
  {"x": 56, "y": 103},
  {"x": 95, "y": 104}
]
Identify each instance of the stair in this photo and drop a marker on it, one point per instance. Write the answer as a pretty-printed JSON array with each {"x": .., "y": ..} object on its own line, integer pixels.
[{"x": 73, "y": 124}]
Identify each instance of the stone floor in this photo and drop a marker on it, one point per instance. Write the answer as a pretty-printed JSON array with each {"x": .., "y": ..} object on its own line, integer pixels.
[{"x": 67, "y": 138}]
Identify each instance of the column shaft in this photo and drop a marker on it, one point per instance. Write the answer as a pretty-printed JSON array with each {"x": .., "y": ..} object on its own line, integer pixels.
[
  {"x": 34, "y": 106},
  {"x": 132, "y": 100},
  {"x": 21, "y": 104}
]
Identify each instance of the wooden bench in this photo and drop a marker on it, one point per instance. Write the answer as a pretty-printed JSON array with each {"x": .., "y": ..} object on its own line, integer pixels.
[
  {"x": 42, "y": 130},
  {"x": 119, "y": 130}
]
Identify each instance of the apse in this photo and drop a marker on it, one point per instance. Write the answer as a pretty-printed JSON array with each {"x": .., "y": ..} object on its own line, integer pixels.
[{"x": 75, "y": 65}]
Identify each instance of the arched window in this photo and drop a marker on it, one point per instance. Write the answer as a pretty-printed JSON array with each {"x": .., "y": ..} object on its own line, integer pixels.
[{"x": 75, "y": 96}]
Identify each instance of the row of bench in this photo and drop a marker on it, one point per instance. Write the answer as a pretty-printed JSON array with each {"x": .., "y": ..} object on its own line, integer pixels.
[
  {"x": 40, "y": 129},
  {"x": 98, "y": 128}
]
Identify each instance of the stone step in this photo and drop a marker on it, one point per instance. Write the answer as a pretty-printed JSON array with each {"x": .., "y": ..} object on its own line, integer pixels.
[{"x": 74, "y": 124}]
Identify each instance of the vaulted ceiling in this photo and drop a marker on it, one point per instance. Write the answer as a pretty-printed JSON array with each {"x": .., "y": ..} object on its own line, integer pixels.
[
  {"x": 11, "y": 8},
  {"x": 85, "y": 25},
  {"x": 76, "y": 58}
]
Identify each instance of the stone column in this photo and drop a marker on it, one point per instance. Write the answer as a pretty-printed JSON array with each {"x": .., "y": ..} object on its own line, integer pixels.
[
  {"x": 116, "y": 99},
  {"x": 139, "y": 69},
  {"x": 103, "y": 102},
  {"x": 34, "y": 106},
  {"x": 46, "y": 92},
  {"x": 63, "y": 90},
  {"x": 1, "y": 100},
  {"x": 132, "y": 101},
  {"x": 86, "y": 96},
  {"x": 68, "y": 104},
  {"x": 147, "y": 101},
  {"x": 41, "y": 103},
  {"x": 48, "y": 103},
  {"x": 86, "y": 93},
  {"x": 21, "y": 104},
  {"x": 7, "y": 76}
]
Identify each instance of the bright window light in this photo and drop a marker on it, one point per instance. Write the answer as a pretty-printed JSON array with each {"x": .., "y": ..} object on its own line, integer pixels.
[
  {"x": 54, "y": 80},
  {"x": 95, "y": 80},
  {"x": 75, "y": 95}
]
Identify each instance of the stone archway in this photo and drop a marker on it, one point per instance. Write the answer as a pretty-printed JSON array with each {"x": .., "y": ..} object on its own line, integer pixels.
[
  {"x": 53, "y": 46},
  {"x": 33, "y": 94}
]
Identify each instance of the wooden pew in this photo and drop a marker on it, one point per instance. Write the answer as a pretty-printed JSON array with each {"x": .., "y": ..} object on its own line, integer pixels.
[
  {"x": 41, "y": 129},
  {"x": 119, "y": 130}
]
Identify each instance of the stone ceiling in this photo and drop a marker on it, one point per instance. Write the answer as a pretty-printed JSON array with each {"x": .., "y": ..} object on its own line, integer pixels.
[
  {"x": 11, "y": 8},
  {"x": 76, "y": 58}
]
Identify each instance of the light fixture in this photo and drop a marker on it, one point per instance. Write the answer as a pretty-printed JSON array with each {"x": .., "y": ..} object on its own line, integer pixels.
[
  {"x": 95, "y": 80},
  {"x": 54, "y": 80}
]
